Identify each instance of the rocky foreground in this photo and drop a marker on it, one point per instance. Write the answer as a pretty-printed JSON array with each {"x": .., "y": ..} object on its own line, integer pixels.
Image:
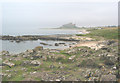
[{"x": 78, "y": 63}]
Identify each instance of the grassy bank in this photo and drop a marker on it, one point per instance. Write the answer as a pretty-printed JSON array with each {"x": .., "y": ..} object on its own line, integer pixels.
[{"x": 107, "y": 33}]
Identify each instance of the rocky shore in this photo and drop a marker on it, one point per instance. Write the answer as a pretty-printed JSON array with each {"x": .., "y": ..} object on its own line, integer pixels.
[
  {"x": 36, "y": 37},
  {"x": 81, "y": 63}
]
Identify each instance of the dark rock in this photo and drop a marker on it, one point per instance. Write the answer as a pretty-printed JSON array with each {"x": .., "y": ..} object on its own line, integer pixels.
[
  {"x": 11, "y": 41},
  {"x": 61, "y": 43},
  {"x": 43, "y": 43},
  {"x": 17, "y": 41},
  {"x": 110, "y": 42},
  {"x": 104, "y": 48},
  {"x": 56, "y": 44}
]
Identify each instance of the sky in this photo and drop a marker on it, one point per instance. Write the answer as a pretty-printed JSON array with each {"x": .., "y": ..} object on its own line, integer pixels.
[{"x": 27, "y": 14}]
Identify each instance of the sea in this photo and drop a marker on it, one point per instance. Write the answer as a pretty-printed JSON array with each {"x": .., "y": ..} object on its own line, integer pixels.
[{"x": 15, "y": 48}]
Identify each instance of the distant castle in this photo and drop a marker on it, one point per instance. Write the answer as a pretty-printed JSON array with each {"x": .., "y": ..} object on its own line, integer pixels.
[{"x": 69, "y": 25}]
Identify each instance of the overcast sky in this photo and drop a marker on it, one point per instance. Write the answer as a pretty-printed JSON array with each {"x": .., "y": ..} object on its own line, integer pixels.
[{"x": 54, "y": 13}]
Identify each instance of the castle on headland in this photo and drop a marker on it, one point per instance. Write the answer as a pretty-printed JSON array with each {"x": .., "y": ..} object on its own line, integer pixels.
[{"x": 69, "y": 25}]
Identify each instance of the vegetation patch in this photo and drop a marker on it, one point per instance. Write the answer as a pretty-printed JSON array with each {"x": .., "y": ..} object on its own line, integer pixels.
[
  {"x": 107, "y": 33},
  {"x": 89, "y": 63}
]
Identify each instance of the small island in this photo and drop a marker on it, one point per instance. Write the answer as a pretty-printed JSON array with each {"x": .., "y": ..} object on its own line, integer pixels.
[{"x": 69, "y": 26}]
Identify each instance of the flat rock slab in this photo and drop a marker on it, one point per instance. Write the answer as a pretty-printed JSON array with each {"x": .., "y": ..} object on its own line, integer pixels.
[{"x": 108, "y": 78}]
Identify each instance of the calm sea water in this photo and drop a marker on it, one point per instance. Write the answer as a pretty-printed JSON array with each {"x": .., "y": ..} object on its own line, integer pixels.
[
  {"x": 41, "y": 32},
  {"x": 14, "y": 47}
]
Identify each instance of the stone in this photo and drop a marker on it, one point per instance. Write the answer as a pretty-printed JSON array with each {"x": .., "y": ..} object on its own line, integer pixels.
[
  {"x": 38, "y": 48},
  {"x": 35, "y": 63},
  {"x": 56, "y": 44},
  {"x": 5, "y": 53},
  {"x": 104, "y": 48},
  {"x": 26, "y": 63},
  {"x": 10, "y": 64},
  {"x": 30, "y": 51},
  {"x": 26, "y": 56},
  {"x": 61, "y": 43},
  {"x": 109, "y": 62},
  {"x": 93, "y": 79},
  {"x": 110, "y": 42},
  {"x": 37, "y": 56},
  {"x": 89, "y": 63},
  {"x": 11, "y": 41},
  {"x": 43, "y": 43},
  {"x": 31, "y": 58},
  {"x": 57, "y": 80},
  {"x": 114, "y": 68},
  {"x": 109, "y": 55},
  {"x": 9, "y": 76},
  {"x": 72, "y": 57},
  {"x": 17, "y": 41},
  {"x": 52, "y": 66},
  {"x": 88, "y": 75}
]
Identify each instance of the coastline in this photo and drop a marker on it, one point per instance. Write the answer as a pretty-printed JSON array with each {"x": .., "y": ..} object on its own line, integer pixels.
[{"x": 89, "y": 59}]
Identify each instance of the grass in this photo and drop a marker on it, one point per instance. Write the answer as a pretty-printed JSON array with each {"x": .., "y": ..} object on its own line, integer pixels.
[
  {"x": 107, "y": 33},
  {"x": 80, "y": 34}
]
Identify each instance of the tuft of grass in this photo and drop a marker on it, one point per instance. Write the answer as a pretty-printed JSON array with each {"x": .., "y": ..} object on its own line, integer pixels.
[
  {"x": 89, "y": 63},
  {"x": 61, "y": 59},
  {"x": 80, "y": 34}
]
